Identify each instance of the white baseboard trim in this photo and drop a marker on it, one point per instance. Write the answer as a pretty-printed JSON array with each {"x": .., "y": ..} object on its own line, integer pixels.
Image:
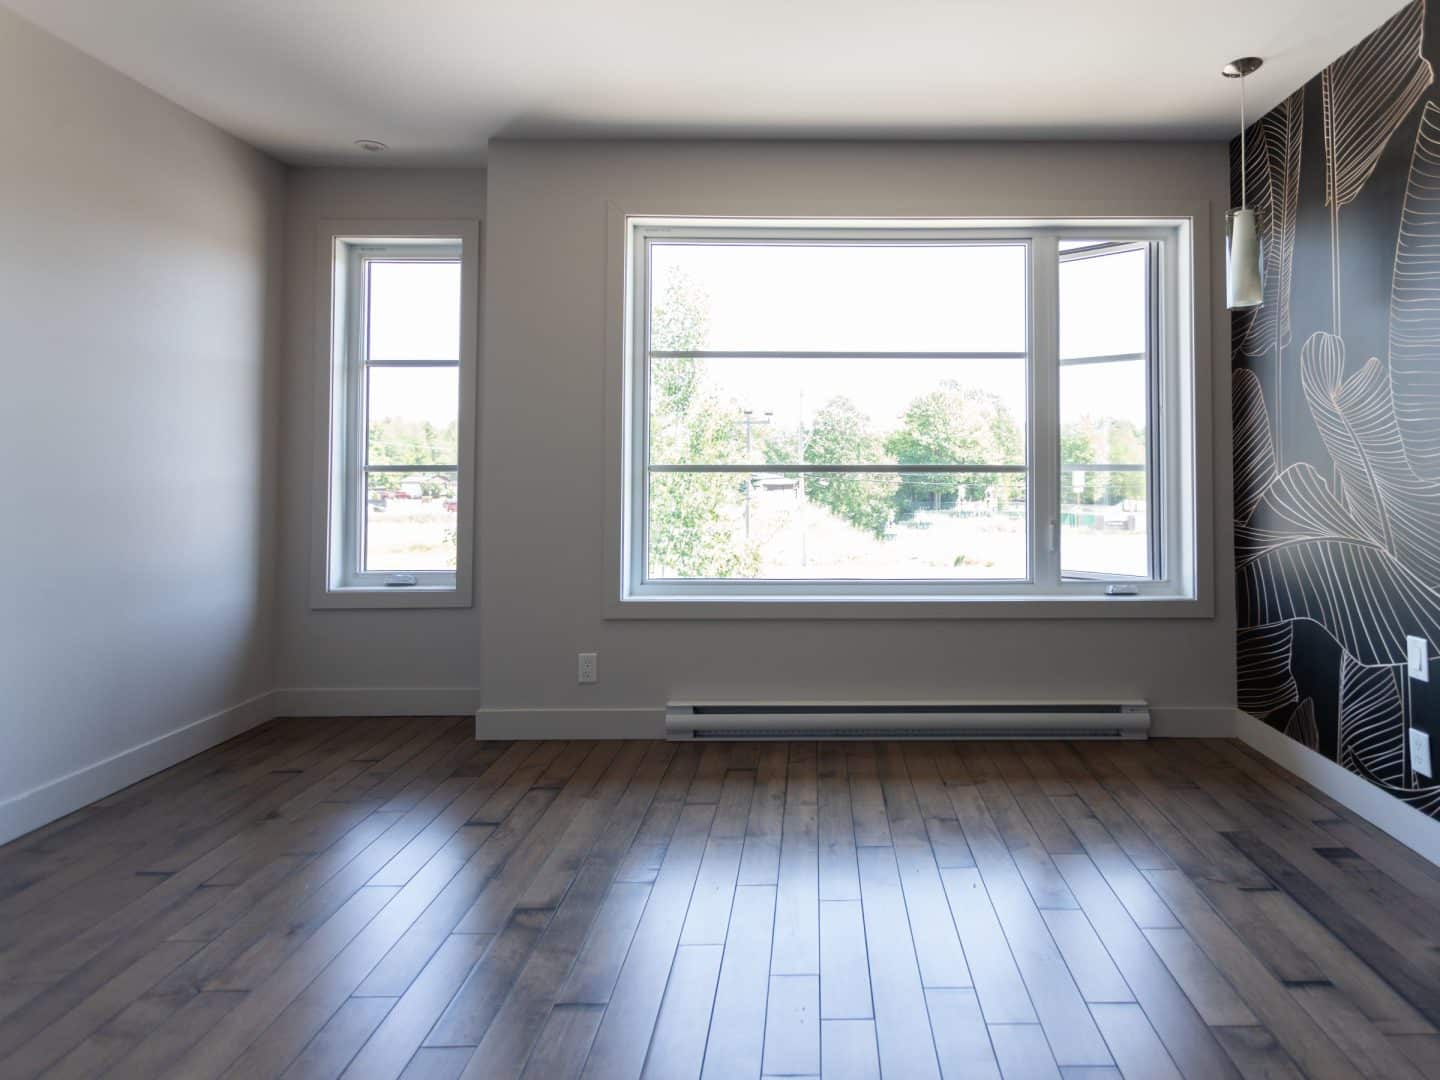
[
  {"x": 641, "y": 722},
  {"x": 1417, "y": 831},
  {"x": 43, "y": 804},
  {"x": 594, "y": 723},
  {"x": 1192, "y": 721},
  {"x": 54, "y": 799},
  {"x": 377, "y": 701}
]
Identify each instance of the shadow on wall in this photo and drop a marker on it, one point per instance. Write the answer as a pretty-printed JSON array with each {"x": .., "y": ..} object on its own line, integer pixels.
[{"x": 1337, "y": 409}]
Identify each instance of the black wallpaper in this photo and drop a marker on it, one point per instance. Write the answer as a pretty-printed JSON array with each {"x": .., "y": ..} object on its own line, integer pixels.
[{"x": 1337, "y": 409}]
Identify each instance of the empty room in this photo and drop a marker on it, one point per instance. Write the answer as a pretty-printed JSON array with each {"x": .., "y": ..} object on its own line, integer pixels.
[{"x": 633, "y": 540}]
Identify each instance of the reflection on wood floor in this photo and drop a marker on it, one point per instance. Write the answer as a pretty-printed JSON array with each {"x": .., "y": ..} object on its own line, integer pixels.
[{"x": 382, "y": 898}]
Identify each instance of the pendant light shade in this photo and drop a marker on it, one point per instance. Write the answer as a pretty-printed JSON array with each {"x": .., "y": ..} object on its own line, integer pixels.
[
  {"x": 1244, "y": 286},
  {"x": 1244, "y": 265}
]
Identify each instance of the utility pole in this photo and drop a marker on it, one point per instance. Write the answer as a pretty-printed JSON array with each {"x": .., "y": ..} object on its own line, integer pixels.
[
  {"x": 800, "y": 487},
  {"x": 750, "y": 424}
]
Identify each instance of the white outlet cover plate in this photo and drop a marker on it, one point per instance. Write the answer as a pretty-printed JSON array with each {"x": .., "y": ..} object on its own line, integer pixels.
[
  {"x": 1420, "y": 752},
  {"x": 1418, "y": 651}
]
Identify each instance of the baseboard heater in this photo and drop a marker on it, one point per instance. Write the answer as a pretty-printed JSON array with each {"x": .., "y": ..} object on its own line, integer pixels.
[{"x": 743, "y": 721}]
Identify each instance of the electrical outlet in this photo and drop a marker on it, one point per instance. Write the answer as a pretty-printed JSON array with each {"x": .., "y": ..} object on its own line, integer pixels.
[
  {"x": 589, "y": 667},
  {"x": 1418, "y": 651},
  {"x": 1420, "y": 752}
]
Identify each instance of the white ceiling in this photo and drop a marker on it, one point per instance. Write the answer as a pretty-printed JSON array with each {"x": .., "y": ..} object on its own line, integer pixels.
[{"x": 436, "y": 79}]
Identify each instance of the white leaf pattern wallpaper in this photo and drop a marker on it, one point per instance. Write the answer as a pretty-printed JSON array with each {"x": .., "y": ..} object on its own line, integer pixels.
[{"x": 1336, "y": 388}]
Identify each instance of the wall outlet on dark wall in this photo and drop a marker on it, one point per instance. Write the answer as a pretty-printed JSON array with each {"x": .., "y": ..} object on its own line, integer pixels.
[{"x": 1420, "y": 752}]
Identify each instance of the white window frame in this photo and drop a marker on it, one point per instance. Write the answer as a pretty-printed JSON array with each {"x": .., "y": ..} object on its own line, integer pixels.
[
  {"x": 1172, "y": 459},
  {"x": 339, "y": 580}
]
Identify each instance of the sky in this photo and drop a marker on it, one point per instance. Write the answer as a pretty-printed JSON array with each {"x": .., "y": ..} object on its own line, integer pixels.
[
  {"x": 807, "y": 297},
  {"x": 932, "y": 298},
  {"x": 414, "y": 315},
  {"x": 427, "y": 393},
  {"x": 414, "y": 310}
]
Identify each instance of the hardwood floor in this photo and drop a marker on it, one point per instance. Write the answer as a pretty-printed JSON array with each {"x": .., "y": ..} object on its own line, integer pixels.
[{"x": 376, "y": 898}]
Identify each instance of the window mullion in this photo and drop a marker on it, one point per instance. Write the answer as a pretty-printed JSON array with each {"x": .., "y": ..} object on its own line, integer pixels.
[
  {"x": 638, "y": 568},
  {"x": 354, "y": 441},
  {"x": 1044, "y": 412},
  {"x": 1156, "y": 457},
  {"x": 393, "y": 363}
]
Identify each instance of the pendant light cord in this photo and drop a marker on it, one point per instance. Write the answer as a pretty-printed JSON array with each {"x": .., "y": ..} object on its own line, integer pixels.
[{"x": 1242, "y": 142}]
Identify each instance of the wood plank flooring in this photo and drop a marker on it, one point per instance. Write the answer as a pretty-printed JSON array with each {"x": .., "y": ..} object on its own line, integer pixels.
[{"x": 374, "y": 898}]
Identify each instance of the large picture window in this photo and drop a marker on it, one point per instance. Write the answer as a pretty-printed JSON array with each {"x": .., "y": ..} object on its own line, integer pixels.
[{"x": 873, "y": 411}]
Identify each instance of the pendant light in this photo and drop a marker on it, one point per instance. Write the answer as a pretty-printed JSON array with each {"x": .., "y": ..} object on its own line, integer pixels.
[{"x": 1244, "y": 283}]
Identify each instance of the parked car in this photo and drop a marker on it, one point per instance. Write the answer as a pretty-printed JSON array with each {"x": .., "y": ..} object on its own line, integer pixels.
[{"x": 1116, "y": 518}]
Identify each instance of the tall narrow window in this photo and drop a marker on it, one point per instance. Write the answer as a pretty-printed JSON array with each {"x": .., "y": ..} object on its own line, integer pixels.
[
  {"x": 396, "y": 414},
  {"x": 855, "y": 410}
]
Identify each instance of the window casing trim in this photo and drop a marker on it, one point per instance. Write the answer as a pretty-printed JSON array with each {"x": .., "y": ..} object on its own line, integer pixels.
[
  {"x": 342, "y": 247},
  {"x": 1174, "y": 586}
]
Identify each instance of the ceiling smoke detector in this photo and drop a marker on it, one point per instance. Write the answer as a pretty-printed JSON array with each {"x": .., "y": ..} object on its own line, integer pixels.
[{"x": 371, "y": 146}]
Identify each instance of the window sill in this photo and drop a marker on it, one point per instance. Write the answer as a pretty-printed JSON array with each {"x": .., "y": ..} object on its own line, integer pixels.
[
  {"x": 417, "y": 596},
  {"x": 951, "y": 608}
]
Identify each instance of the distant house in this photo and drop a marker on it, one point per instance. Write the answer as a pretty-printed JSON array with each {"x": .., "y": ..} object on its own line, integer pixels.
[{"x": 774, "y": 482}]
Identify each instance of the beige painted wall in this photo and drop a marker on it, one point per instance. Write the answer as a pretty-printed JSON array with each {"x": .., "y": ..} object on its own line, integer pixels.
[
  {"x": 163, "y": 548},
  {"x": 139, "y": 299},
  {"x": 345, "y": 650},
  {"x": 544, "y": 412}
]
